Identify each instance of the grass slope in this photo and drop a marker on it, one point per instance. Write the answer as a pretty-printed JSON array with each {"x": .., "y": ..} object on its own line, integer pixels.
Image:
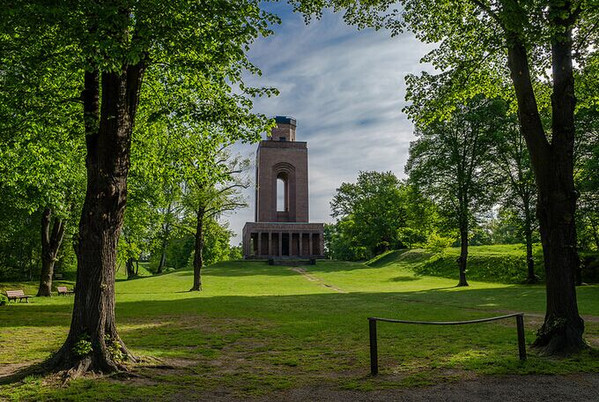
[
  {"x": 504, "y": 263},
  {"x": 258, "y": 329}
]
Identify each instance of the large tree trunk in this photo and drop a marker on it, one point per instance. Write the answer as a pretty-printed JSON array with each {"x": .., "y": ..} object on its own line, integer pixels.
[
  {"x": 463, "y": 258},
  {"x": 530, "y": 262},
  {"x": 51, "y": 241},
  {"x": 553, "y": 166},
  {"x": 108, "y": 135},
  {"x": 198, "y": 259}
]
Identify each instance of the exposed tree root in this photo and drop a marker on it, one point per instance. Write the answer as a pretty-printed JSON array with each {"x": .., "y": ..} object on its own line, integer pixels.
[
  {"x": 100, "y": 360},
  {"x": 558, "y": 337}
]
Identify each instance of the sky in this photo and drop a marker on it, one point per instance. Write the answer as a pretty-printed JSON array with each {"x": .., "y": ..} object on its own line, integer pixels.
[{"x": 346, "y": 89}]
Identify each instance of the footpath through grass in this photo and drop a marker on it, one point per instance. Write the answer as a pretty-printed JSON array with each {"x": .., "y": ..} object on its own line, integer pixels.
[{"x": 257, "y": 330}]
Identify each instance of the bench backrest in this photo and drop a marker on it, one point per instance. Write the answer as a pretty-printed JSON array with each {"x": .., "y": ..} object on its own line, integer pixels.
[
  {"x": 62, "y": 289},
  {"x": 14, "y": 293}
]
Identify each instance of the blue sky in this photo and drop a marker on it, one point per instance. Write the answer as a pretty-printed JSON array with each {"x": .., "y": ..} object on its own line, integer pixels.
[{"x": 346, "y": 89}]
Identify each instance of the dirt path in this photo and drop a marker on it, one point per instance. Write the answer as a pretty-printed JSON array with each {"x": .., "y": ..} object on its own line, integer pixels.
[
  {"x": 575, "y": 387},
  {"x": 316, "y": 279}
]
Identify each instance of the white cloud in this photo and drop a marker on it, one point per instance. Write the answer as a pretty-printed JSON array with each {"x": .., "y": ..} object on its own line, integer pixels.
[{"x": 346, "y": 89}]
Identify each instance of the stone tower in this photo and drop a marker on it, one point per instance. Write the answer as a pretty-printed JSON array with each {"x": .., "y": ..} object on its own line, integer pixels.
[{"x": 281, "y": 228}]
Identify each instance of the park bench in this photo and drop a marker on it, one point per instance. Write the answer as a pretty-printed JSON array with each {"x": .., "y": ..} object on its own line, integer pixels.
[
  {"x": 62, "y": 290},
  {"x": 17, "y": 294}
]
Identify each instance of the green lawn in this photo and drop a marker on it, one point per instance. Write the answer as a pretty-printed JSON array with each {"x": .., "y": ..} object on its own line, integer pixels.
[{"x": 258, "y": 329}]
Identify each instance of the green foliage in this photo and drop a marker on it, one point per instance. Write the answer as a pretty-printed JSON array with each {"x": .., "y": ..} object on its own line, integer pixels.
[
  {"x": 192, "y": 101},
  {"x": 369, "y": 214},
  {"x": 450, "y": 161},
  {"x": 437, "y": 243},
  {"x": 19, "y": 243},
  {"x": 114, "y": 349},
  {"x": 3, "y": 299},
  {"x": 216, "y": 242},
  {"x": 587, "y": 151},
  {"x": 178, "y": 252},
  {"x": 83, "y": 346},
  {"x": 235, "y": 253}
]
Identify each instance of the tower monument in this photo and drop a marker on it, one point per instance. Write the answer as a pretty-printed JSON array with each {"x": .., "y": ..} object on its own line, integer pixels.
[{"x": 282, "y": 229}]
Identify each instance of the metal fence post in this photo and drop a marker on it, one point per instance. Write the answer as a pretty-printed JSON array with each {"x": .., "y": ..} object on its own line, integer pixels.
[
  {"x": 374, "y": 359},
  {"x": 521, "y": 340}
]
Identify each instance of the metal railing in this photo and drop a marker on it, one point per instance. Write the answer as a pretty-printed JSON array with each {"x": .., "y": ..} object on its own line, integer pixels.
[{"x": 374, "y": 364}]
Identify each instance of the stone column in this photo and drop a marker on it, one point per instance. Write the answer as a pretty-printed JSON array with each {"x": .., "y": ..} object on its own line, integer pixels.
[
  {"x": 290, "y": 244},
  {"x": 299, "y": 251},
  {"x": 259, "y": 243},
  {"x": 311, "y": 252},
  {"x": 269, "y": 244},
  {"x": 321, "y": 242},
  {"x": 280, "y": 244}
]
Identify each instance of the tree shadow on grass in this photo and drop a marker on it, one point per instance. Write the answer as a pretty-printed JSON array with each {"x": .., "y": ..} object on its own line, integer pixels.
[
  {"x": 292, "y": 306},
  {"x": 22, "y": 373},
  {"x": 404, "y": 278},
  {"x": 259, "y": 267},
  {"x": 337, "y": 321}
]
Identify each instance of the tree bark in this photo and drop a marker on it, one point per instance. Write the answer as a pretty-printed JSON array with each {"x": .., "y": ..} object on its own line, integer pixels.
[
  {"x": 165, "y": 233},
  {"x": 162, "y": 262},
  {"x": 553, "y": 165},
  {"x": 51, "y": 240},
  {"x": 198, "y": 259},
  {"x": 463, "y": 258},
  {"x": 530, "y": 262},
  {"x": 108, "y": 137},
  {"x": 130, "y": 268}
]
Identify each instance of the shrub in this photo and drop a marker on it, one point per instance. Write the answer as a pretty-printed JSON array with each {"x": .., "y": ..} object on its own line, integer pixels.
[{"x": 437, "y": 243}]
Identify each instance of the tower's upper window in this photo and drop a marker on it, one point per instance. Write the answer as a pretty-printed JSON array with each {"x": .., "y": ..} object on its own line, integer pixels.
[{"x": 282, "y": 193}]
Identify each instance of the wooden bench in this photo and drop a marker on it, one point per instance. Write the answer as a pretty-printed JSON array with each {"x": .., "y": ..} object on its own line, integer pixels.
[
  {"x": 62, "y": 290},
  {"x": 17, "y": 294}
]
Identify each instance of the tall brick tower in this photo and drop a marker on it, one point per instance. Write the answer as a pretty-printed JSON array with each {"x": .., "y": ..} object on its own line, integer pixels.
[{"x": 281, "y": 229}]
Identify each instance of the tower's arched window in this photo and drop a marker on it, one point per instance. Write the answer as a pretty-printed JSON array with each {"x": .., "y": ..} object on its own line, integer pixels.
[{"x": 282, "y": 193}]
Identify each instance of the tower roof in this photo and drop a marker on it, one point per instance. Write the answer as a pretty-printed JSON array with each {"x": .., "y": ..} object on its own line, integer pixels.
[{"x": 286, "y": 120}]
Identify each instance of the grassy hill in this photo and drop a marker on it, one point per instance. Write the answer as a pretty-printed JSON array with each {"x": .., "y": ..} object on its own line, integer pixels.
[
  {"x": 260, "y": 330},
  {"x": 498, "y": 263},
  {"x": 504, "y": 263}
]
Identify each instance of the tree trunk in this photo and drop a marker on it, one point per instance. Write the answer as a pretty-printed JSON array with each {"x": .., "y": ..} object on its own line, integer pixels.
[
  {"x": 198, "y": 258},
  {"x": 530, "y": 262},
  {"x": 162, "y": 262},
  {"x": 130, "y": 268},
  {"x": 51, "y": 241},
  {"x": 553, "y": 167},
  {"x": 93, "y": 343},
  {"x": 463, "y": 258},
  {"x": 166, "y": 230}
]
